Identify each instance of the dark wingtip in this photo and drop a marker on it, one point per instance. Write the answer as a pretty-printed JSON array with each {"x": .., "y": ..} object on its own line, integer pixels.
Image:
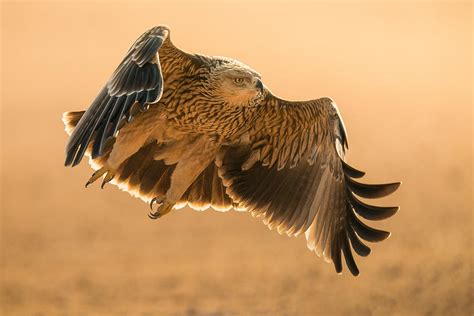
[
  {"x": 351, "y": 171},
  {"x": 396, "y": 185},
  {"x": 366, "y": 232},
  {"x": 350, "y": 262},
  {"x": 371, "y": 212},
  {"x": 73, "y": 157},
  {"x": 360, "y": 248},
  {"x": 336, "y": 255},
  {"x": 357, "y": 231},
  {"x": 371, "y": 191},
  {"x": 70, "y": 154},
  {"x": 77, "y": 160}
]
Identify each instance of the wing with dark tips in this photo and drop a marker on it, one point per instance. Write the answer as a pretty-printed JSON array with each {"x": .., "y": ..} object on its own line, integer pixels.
[
  {"x": 137, "y": 80},
  {"x": 293, "y": 175}
]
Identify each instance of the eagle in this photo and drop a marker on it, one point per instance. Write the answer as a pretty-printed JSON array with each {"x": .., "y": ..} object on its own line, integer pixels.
[{"x": 176, "y": 129}]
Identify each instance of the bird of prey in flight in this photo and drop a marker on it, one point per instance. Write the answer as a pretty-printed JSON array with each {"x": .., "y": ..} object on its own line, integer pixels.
[{"x": 177, "y": 129}]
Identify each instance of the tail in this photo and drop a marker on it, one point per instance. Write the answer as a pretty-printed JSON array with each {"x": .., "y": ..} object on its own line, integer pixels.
[{"x": 70, "y": 120}]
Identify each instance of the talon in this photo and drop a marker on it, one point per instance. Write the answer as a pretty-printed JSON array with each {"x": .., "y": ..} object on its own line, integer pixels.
[
  {"x": 157, "y": 200},
  {"x": 96, "y": 175},
  {"x": 163, "y": 208},
  {"x": 154, "y": 215},
  {"x": 107, "y": 179}
]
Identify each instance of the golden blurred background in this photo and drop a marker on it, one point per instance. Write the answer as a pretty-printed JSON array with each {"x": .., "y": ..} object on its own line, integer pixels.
[{"x": 401, "y": 74}]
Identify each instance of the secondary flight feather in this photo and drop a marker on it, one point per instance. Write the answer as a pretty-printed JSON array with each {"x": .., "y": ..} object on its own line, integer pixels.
[{"x": 179, "y": 129}]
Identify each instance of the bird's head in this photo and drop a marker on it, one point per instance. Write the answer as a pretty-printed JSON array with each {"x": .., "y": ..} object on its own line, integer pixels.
[{"x": 236, "y": 83}]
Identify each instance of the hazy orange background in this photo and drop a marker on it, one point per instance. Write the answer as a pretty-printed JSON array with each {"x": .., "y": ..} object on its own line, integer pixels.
[{"x": 402, "y": 77}]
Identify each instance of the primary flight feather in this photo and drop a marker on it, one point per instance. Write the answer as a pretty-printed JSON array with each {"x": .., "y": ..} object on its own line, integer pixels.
[{"x": 179, "y": 129}]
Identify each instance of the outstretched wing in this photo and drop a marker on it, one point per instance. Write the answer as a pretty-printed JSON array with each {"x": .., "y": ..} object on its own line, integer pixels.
[
  {"x": 293, "y": 174},
  {"x": 137, "y": 81}
]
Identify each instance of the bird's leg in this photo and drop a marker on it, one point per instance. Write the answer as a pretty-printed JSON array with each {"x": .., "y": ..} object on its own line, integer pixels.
[
  {"x": 191, "y": 161},
  {"x": 130, "y": 139},
  {"x": 109, "y": 175},
  {"x": 164, "y": 207}
]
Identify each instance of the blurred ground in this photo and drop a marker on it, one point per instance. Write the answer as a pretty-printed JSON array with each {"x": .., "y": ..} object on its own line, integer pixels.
[{"x": 402, "y": 77}]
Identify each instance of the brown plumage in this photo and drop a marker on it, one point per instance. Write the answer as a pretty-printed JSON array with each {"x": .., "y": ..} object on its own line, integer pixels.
[{"x": 180, "y": 129}]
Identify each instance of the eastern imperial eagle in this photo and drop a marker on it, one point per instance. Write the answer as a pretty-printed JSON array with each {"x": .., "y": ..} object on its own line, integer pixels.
[{"x": 179, "y": 129}]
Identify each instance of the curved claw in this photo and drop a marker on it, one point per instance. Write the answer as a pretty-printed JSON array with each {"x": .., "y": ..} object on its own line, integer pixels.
[
  {"x": 154, "y": 215},
  {"x": 164, "y": 207},
  {"x": 108, "y": 177},
  {"x": 157, "y": 200},
  {"x": 96, "y": 175}
]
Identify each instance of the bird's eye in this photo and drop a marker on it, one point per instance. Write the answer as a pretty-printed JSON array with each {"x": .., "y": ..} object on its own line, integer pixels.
[{"x": 239, "y": 81}]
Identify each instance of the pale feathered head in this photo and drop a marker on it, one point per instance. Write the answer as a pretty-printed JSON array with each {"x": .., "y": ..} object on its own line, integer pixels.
[{"x": 236, "y": 83}]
